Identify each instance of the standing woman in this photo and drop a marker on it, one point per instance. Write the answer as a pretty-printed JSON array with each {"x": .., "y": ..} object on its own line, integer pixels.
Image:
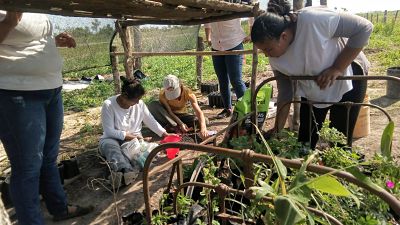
[
  {"x": 227, "y": 36},
  {"x": 320, "y": 42},
  {"x": 31, "y": 114}
]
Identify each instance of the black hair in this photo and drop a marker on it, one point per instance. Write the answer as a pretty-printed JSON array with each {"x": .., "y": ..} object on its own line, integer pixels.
[
  {"x": 272, "y": 23},
  {"x": 132, "y": 88}
]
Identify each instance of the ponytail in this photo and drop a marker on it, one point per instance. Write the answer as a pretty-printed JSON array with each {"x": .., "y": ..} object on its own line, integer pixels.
[
  {"x": 132, "y": 88},
  {"x": 272, "y": 23}
]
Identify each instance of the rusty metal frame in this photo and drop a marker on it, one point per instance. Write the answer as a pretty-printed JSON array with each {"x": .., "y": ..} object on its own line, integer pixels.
[
  {"x": 247, "y": 154},
  {"x": 311, "y": 103},
  {"x": 250, "y": 156}
]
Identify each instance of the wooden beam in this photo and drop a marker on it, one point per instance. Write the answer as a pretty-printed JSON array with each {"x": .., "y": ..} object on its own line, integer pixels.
[
  {"x": 209, "y": 4},
  {"x": 196, "y": 53},
  {"x": 136, "y": 22}
]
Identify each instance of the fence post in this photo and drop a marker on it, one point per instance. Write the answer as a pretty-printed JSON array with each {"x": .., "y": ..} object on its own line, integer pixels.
[
  {"x": 199, "y": 62},
  {"x": 395, "y": 17},
  {"x": 125, "y": 35},
  {"x": 137, "y": 46},
  {"x": 367, "y": 15},
  {"x": 114, "y": 67},
  {"x": 377, "y": 18},
  {"x": 385, "y": 16}
]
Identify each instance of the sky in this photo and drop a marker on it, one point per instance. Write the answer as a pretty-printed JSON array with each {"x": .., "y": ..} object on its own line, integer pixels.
[{"x": 356, "y": 6}]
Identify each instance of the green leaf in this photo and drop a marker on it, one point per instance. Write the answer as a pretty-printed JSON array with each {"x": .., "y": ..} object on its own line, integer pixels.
[
  {"x": 328, "y": 184},
  {"x": 386, "y": 140},
  {"x": 363, "y": 178},
  {"x": 287, "y": 212},
  {"x": 264, "y": 190}
]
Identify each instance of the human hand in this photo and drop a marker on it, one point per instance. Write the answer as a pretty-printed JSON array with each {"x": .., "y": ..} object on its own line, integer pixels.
[
  {"x": 328, "y": 77},
  {"x": 184, "y": 128},
  {"x": 65, "y": 40},
  {"x": 203, "y": 134},
  {"x": 166, "y": 134},
  {"x": 12, "y": 19},
  {"x": 129, "y": 137},
  {"x": 247, "y": 39}
]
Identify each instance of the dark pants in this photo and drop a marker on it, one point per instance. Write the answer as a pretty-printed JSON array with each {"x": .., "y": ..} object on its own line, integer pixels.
[
  {"x": 30, "y": 127},
  {"x": 229, "y": 69},
  {"x": 338, "y": 114},
  {"x": 165, "y": 120}
]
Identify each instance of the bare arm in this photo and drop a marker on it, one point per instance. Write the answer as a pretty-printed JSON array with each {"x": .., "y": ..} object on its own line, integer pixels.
[
  {"x": 285, "y": 94},
  {"x": 10, "y": 22},
  {"x": 172, "y": 114},
  {"x": 358, "y": 31},
  {"x": 199, "y": 115}
]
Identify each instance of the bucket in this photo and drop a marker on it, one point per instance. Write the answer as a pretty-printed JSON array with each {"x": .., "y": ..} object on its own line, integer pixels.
[
  {"x": 393, "y": 87},
  {"x": 362, "y": 127},
  {"x": 171, "y": 152}
]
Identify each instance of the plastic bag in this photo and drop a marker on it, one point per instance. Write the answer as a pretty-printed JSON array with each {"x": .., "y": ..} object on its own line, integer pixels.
[{"x": 137, "y": 151}]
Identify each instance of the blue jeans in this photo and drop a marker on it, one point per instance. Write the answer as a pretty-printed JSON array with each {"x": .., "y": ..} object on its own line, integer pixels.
[
  {"x": 229, "y": 68},
  {"x": 30, "y": 129}
]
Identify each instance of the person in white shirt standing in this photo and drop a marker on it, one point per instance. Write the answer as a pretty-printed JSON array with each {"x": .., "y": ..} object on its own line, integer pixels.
[
  {"x": 31, "y": 114},
  {"x": 122, "y": 117},
  {"x": 315, "y": 41},
  {"x": 227, "y": 36}
]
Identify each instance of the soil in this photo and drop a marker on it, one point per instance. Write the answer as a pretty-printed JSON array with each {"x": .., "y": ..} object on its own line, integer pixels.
[{"x": 81, "y": 132}]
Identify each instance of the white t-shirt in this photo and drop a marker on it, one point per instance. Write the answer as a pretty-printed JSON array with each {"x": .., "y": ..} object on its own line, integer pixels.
[
  {"x": 117, "y": 121},
  {"x": 29, "y": 58},
  {"x": 313, "y": 50},
  {"x": 226, "y": 35}
]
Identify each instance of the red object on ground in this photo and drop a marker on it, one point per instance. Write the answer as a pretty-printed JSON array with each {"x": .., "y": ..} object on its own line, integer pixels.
[{"x": 171, "y": 152}]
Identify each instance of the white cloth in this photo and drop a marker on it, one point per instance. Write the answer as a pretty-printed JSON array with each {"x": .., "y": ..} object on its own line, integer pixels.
[
  {"x": 29, "y": 58},
  {"x": 117, "y": 121},
  {"x": 313, "y": 50},
  {"x": 226, "y": 35}
]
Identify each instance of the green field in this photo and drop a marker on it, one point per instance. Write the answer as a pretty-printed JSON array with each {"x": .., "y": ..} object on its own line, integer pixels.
[{"x": 383, "y": 51}]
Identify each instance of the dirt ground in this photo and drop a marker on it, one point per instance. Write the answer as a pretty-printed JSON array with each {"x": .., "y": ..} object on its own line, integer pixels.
[{"x": 90, "y": 188}]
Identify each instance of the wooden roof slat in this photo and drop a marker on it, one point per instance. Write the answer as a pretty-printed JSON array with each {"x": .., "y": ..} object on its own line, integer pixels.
[
  {"x": 209, "y": 4},
  {"x": 156, "y": 11}
]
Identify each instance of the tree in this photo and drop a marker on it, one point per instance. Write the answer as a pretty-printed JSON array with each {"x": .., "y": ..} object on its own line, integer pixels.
[{"x": 95, "y": 25}]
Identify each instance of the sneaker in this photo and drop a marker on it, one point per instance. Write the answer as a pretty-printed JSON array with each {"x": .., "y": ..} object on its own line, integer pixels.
[
  {"x": 115, "y": 180},
  {"x": 79, "y": 211},
  {"x": 130, "y": 177},
  {"x": 224, "y": 114}
]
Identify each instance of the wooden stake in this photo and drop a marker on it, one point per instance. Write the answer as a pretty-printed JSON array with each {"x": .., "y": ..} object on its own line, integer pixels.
[
  {"x": 114, "y": 66},
  {"x": 199, "y": 62}
]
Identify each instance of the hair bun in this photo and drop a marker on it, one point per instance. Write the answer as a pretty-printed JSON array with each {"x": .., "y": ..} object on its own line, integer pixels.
[{"x": 280, "y": 7}]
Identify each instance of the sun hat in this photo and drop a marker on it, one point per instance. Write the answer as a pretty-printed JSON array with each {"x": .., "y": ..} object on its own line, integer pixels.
[{"x": 172, "y": 87}]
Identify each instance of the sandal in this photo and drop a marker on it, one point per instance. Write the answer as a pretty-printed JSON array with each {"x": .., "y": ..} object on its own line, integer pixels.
[{"x": 80, "y": 211}]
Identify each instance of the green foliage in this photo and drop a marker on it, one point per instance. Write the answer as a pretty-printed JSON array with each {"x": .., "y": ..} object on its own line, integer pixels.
[
  {"x": 331, "y": 134},
  {"x": 386, "y": 140},
  {"x": 93, "y": 96}
]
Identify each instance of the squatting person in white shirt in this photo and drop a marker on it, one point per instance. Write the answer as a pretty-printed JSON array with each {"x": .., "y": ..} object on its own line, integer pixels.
[
  {"x": 122, "y": 117},
  {"x": 315, "y": 41}
]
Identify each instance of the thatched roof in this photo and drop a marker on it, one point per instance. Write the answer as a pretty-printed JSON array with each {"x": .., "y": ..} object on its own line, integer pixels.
[{"x": 138, "y": 11}]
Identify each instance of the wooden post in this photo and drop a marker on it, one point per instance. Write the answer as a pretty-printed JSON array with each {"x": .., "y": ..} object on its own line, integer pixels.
[
  {"x": 395, "y": 16},
  {"x": 377, "y": 18},
  {"x": 137, "y": 46},
  {"x": 254, "y": 118},
  {"x": 385, "y": 16},
  {"x": 114, "y": 67},
  {"x": 199, "y": 62},
  {"x": 125, "y": 36}
]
